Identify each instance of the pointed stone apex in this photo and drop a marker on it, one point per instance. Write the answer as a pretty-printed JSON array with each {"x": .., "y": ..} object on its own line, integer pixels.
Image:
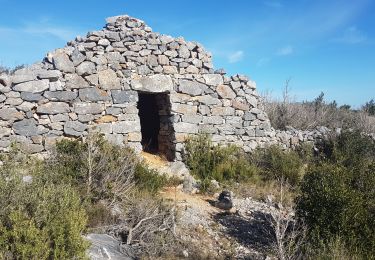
[
  {"x": 125, "y": 20},
  {"x": 118, "y": 18}
]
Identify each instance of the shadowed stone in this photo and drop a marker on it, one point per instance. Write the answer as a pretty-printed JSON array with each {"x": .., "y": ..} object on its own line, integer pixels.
[
  {"x": 93, "y": 94},
  {"x": 32, "y": 97},
  {"x": 120, "y": 97},
  {"x": 60, "y": 95},
  {"x": 28, "y": 127},
  {"x": 74, "y": 128}
]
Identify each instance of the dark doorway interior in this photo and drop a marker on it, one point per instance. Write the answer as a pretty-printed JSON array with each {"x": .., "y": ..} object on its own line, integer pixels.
[{"x": 150, "y": 122}]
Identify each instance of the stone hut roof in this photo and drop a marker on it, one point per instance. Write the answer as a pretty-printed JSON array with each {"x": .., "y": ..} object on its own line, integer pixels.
[{"x": 95, "y": 82}]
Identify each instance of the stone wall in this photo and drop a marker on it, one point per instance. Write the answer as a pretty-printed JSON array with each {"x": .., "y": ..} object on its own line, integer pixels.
[{"x": 93, "y": 84}]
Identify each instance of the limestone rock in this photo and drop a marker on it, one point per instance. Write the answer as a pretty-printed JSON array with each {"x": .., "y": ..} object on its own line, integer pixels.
[
  {"x": 192, "y": 88},
  {"x": 213, "y": 79},
  {"x": 32, "y": 86},
  {"x": 77, "y": 57},
  {"x": 63, "y": 63},
  {"x": 124, "y": 127},
  {"x": 53, "y": 108},
  {"x": 86, "y": 68},
  {"x": 182, "y": 127},
  {"x": 225, "y": 92},
  {"x": 88, "y": 108},
  {"x": 74, "y": 128},
  {"x": 93, "y": 94},
  {"x": 10, "y": 114},
  {"x": 4, "y": 132},
  {"x": 27, "y": 127},
  {"x": 108, "y": 80},
  {"x": 105, "y": 247},
  {"x": 32, "y": 97},
  {"x": 16, "y": 79},
  {"x": 74, "y": 81},
  {"x": 60, "y": 95},
  {"x": 52, "y": 75},
  {"x": 124, "y": 96},
  {"x": 155, "y": 84}
]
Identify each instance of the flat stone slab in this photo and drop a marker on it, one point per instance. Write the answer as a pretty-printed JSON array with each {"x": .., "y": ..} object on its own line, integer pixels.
[
  {"x": 154, "y": 84},
  {"x": 105, "y": 247}
]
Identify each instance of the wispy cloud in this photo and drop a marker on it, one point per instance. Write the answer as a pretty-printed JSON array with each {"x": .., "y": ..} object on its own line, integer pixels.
[
  {"x": 62, "y": 33},
  {"x": 273, "y": 4},
  {"x": 284, "y": 51},
  {"x": 351, "y": 35},
  {"x": 263, "y": 62},
  {"x": 42, "y": 27},
  {"x": 236, "y": 56}
]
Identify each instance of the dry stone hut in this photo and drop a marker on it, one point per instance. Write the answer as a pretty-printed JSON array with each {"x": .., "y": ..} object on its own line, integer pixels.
[{"x": 137, "y": 87}]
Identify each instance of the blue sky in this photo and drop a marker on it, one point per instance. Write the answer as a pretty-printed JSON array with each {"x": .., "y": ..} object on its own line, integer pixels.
[{"x": 322, "y": 45}]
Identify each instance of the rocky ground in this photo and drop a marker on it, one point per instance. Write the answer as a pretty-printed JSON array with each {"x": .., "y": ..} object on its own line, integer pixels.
[{"x": 207, "y": 231}]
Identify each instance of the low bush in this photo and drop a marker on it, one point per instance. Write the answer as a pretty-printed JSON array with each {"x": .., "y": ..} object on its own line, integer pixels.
[
  {"x": 334, "y": 248},
  {"x": 337, "y": 194},
  {"x": 38, "y": 219},
  {"x": 101, "y": 170},
  {"x": 277, "y": 164},
  {"x": 147, "y": 225},
  {"x": 222, "y": 163},
  {"x": 318, "y": 112},
  {"x": 45, "y": 206},
  {"x": 148, "y": 179}
]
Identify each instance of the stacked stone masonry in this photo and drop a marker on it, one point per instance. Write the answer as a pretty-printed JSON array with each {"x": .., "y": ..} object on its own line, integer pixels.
[{"x": 95, "y": 81}]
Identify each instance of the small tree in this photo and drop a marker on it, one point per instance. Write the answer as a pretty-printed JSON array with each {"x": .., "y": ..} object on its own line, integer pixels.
[
  {"x": 369, "y": 107},
  {"x": 289, "y": 234}
]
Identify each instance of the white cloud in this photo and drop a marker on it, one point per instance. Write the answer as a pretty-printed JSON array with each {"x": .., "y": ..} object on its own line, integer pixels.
[
  {"x": 236, "y": 56},
  {"x": 351, "y": 36},
  {"x": 287, "y": 50}
]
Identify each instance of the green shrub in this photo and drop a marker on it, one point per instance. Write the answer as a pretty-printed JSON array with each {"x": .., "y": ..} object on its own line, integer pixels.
[
  {"x": 101, "y": 170},
  {"x": 337, "y": 201},
  {"x": 148, "y": 179},
  {"x": 39, "y": 220},
  {"x": 276, "y": 164},
  {"x": 98, "y": 215},
  {"x": 337, "y": 194},
  {"x": 334, "y": 248},
  {"x": 222, "y": 163},
  {"x": 351, "y": 149}
]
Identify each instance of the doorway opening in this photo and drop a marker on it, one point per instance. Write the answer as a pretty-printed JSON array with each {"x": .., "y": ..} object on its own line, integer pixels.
[{"x": 156, "y": 124}]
